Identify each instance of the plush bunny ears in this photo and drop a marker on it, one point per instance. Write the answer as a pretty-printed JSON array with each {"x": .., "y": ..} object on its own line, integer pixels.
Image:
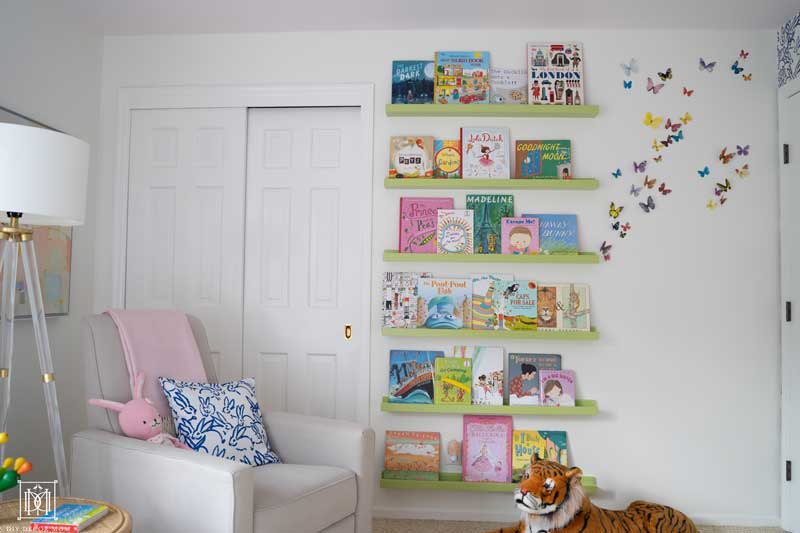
[{"x": 138, "y": 386}]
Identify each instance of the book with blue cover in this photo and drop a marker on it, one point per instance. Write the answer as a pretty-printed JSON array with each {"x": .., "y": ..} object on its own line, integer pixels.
[
  {"x": 558, "y": 234},
  {"x": 412, "y": 82},
  {"x": 411, "y": 375}
]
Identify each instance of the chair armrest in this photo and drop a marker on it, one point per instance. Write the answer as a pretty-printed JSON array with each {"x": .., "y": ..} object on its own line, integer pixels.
[
  {"x": 312, "y": 440},
  {"x": 163, "y": 488}
]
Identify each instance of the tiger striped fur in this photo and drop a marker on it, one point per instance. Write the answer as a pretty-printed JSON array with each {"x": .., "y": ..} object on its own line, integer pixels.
[{"x": 552, "y": 500}]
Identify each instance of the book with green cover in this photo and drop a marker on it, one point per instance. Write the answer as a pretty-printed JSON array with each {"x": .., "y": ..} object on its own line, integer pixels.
[
  {"x": 452, "y": 381},
  {"x": 543, "y": 159},
  {"x": 410, "y": 474},
  {"x": 487, "y": 211}
]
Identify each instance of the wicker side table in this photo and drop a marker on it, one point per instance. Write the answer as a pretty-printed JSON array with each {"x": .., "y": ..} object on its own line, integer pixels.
[{"x": 116, "y": 521}]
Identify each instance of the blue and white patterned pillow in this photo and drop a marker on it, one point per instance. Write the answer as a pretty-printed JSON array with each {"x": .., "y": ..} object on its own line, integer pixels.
[{"x": 221, "y": 419}]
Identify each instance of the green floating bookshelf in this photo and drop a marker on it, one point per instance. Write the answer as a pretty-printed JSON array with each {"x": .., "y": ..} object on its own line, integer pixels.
[
  {"x": 492, "y": 334},
  {"x": 582, "y": 408},
  {"x": 582, "y": 258},
  {"x": 453, "y": 482},
  {"x": 492, "y": 110},
  {"x": 575, "y": 184}
]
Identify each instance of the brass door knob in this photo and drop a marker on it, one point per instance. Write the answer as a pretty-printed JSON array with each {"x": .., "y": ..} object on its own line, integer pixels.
[{"x": 348, "y": 331}]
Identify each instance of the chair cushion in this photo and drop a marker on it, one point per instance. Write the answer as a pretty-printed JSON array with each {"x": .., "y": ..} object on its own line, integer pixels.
[{"x": 302, "y": 497}]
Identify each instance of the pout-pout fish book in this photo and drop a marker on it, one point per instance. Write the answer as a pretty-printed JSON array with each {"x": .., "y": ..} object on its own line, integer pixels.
[
  {"x": 515, "y": 304},
  {"x": 462, "y": 78},
  {"x": 445, "y": 303},
  {"x": 418, "y": 220},
  {"x": 412, "y": 81},
  {"x": 557, "y": 388},
  {"x": 520, "y": 236},
  {"x": 547, "y": 445},
  {"x": 488, "y": 210},
  {"x": 485, "y": 153},
  {"x": 411, "y": 376},
  {"x": 555, "y": 73},
  {"x": 558, "y": 234},
  {"x": 487, "y": 448}
]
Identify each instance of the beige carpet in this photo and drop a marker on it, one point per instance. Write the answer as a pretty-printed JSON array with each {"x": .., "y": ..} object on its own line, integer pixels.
[{"x": 382, "y": 525}]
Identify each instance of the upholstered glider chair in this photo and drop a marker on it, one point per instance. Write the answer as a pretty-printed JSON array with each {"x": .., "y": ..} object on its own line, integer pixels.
[{"x": 325, "y": 484}]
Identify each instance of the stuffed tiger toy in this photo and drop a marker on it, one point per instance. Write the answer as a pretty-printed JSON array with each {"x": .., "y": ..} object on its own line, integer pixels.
[{"x": 552, "y": 500}]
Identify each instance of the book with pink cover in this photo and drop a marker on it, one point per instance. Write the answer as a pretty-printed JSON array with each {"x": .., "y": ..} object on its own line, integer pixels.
[
  {"x": 487, "y": 448},
  {"x": 519, "y": 236},
  {"x": 418, "y": 221},
  {"x": 557, "y": 388}
]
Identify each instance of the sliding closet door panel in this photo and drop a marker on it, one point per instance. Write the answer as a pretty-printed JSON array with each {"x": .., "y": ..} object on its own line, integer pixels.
[
  {"x": 186, "y": 220},
  {"x": 303, "y": 250}
]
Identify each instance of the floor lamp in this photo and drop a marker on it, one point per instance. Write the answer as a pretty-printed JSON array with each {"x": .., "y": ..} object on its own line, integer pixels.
[{"x": 43, "y": 177}]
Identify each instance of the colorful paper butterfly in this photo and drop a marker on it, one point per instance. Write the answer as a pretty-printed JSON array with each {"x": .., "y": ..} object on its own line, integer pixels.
[
  {"x": 622, "y": 234},
  {"x": 635, "y": 190},
  {"x": 711, "y": 204},
  {"x": 688, "y": 92},
  {"x": 747, "y": 77},
  {"x": 708, "y": 67},
  {"x": 626, "y": 226},
  {"x": 704, "y": 172},
  {"x": 658, "y": 158},
  {"x": 678, "y": 137},
  {"x": 743, "y": 150},
  {"x": 630, "y": 67},
  {"x": 654, "y": 88},
  {"x": 724, "y": 187},
  {"x": 617, "y": 173},
  {"x": 656, "y": 146},
  {"x": 744, "y": 171},
  {"x": 686, "y": 118},
  {"x": 736, "y": 68},
  {"x": 605, "y": 250},
  {"x": 725, "y": 157},
  {"x": 639, "y": 167},
  {"x": 663, "y": 188},
  {"x": 649, "y": 206},
  {"x": 722, "y": 200},
  {"x": 672, "y": 126},
  {"x": 743, "y": 54},
  {"x": 615, "y": 225},
  {"x": 650, "y": 120},
  {"x": 614, "y": 211},
  {"x": 667, "y": 141},
  {"x": 665, "y": 75},
  {"x": 649, "y": 183},
  {"x": 627, "y": 84}
]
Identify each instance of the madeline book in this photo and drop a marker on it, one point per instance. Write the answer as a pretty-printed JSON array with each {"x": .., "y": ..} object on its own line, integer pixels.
[
  {"x": 509, "y": 85},
  {"x": 485, "y": 153},
  {"x": 523, "y": 376},
  {"x": 487, "y": 375},
  {"x": 487, "y": 212},
  {"x": 418, "y": 220},
  {"x": 557, "y": 388},
  {"x": 555, "y": 73},
  {"x": 455, "y": 231},
  {"x": 515, "y": 305},
  {"x": 412, "y": 82},
  {"x": 558, "y": 234},
  {"x": 411, "y": 157},
  {"x": 547, "y": 307},
  {"x": 444, "y": 303},
  {"x": 547, "y": 445},
  {"x": 411, "y": 376},
  {"x": 399, "y": 302},
  {"x": 543, "y": 159},
  {"x": 452, "y": 381},
  {"x": 69, "y": 518},
  {"x": 462, "y": 78},
  {"x": 486, "y": 452},
  {"x": 520, "y": 236},
  {"x": 446, "y": 159},
  {"x": 411, "y": 455},
  {"x": 572, "y": 302},
  {"x": 483, "y": 312}
]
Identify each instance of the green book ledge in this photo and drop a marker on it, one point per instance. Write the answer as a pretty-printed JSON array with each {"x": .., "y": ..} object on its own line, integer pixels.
[
  {"x": 579, "y": 258},
  {"x": 575, "y": 184},
  {"x": 492, "y": 110},
  {"x": 492, "y": 334},
  {"x": 449, "y": 481},
  {"x": 582, "y": 408}
]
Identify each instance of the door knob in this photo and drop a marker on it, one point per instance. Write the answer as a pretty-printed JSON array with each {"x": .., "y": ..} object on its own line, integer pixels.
[{"x": 348, "y": 331}]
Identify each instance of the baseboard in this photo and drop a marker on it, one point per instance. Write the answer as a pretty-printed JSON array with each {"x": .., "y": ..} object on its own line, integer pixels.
[{"x": 740, "y": 520}]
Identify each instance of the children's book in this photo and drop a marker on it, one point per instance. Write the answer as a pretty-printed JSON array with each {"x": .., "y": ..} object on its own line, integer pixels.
[
  {"x": 547, "y": 306},
  {"x": 515, "y": 304},
  {"x": 547, "y": 445},
  {"x": 410, "y": 474},
  {"x": 411, "y": 376},
  {"x": 411, "y": 451},
  {"x": 487, "y": 448},
  {"x": 444, "y": 303},
  {"x": 451, "y": 455},
  {"x": 446, "y": 159},
  {"x": 483, "y": 312},
  {"x": 455, "y": 231},
  {"x": 558, "y": 234},
  {"x": 399, "y": 302},
  {"x": 462, "y": 78},
  {"x": 520, "y": 236},
  {"x": 452, "y": 381},
  {"x": 418, "y": 220},
  {"x": 543, "y": 159},
  {"x": 557, "y": 388},
  {"x": 485, "y": 153},
  {"x": 555, "y": 73},
  {"x": 573, "y": 307},
  {"x": 488, "y": 210},
  {"x": 487, "y": 375},
  {"x": 69, "y": 518},
  {"x": 509, "y": 85},
  {"x": 411, "y": 157},
  {"x": 412, "y": 81},
  {"x": 523, "y": 376}
]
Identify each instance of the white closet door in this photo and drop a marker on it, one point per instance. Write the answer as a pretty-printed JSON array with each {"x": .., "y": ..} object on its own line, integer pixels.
[
  {"x": 308, "y": 207},
  {"x": 186, "y": 220}
]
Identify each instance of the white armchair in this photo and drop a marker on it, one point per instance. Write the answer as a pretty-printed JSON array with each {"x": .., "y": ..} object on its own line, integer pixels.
[{"x": 325, "y": 483}]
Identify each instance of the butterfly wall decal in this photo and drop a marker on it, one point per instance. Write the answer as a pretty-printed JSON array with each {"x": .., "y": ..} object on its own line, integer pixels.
[
  {"x": 703, "y": 172},
  {"x": 663, "y": 188},
  {"x": 688, "y": 92},
  {"x": 724, "y": 187},
  {"x": 627, "y": 84},
  {"x": 669, "y": 125},
  {"x": 653, "y": 87},
  {"x": 652, "y": 121},
  {"x": 664, "y": 76},
  {"x": 744, "y": 55},
  {"x": 722, "y": 200},
  {"x": 614, "y": 211},
  {"x": 667, "y": 141},
  {"x": 635, "y": 190},
  {"x": 747, "y": 77},
  {"x": 631, "y": 67},
  {"x": 658, "y": 158},
  {"x": 736, "y": 68},
  {"x": 687, "y": 118},
  {"x": 623, "y": 234},
  {"x": 743, "y": 150},
  {"x": 639, "y": 167},
  {"x": 649, "y": 183},
  {"x": 605, "y": 250},
  {"x": 744, "y": 171},
  {"x": 626, "y": 227},
  {"x": 656, "y": 145},
  {"x": 711, "y": 204},
  {"x": 617, "y": 173},
  {"x": 678, "y": 137},
  {"x": 726, "y": 157},
  {"x": 615, "y": 225},
  {"x": 649, "y": 206},
  {"x": 707, "y": 67}
]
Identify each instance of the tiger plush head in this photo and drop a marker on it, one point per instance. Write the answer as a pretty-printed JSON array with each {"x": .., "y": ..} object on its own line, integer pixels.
[{"x": 549, "y": 494}]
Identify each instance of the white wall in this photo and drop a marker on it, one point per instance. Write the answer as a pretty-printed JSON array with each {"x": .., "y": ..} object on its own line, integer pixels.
[
  {"x": 686, "y": 371},
  {"x": 50, "y": 67}
]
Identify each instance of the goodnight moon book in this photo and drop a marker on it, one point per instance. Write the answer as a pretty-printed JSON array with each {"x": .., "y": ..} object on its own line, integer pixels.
[
  {"x": 487, "y": 448},
  {"x": 444, "y": 303}
]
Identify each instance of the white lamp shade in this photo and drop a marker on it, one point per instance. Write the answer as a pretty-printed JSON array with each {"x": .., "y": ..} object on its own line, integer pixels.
[{"x": 43, "y": 175}]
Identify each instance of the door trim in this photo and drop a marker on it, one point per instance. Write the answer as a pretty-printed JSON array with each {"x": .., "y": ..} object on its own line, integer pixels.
[{"x": 359, "y": 95}]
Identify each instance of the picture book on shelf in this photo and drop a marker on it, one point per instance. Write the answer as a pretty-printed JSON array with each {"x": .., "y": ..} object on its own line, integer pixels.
[
  {"x": 446, "y": 158},
  {"x": 555, "y": 73},
  {"x": 487, "y": 212},
  {"x": 547, "y": 445},
  {"x": 543, "y": 159},
  {"x": 508, "y": 85},
  {"x": 462, "y": 78},
  {"x": 520, "y": 236},
  {"x": 547, "y": 307},
  {"x": 486, "y": 452},
  {"x": 455, "y": 231},
  {"x": 573, "y": 307},
  {"x": 399, "y": 302},
  {"x": 452, "y": 381},
  {"x": 485, "y": 153},
  {"x": 418, "y": 220},
  {"x": 411, "y": 157},
  {"x": 487, "y": 375},
  {"x": 483, "y": 311},
  {"x": 558, "y": 234},
  {"x": 523, "y": 376},
  {"x": 451, "y": 455},
  {"x": 411, "y": 451},
  {"x": 558, "y": 388},
  {"x": 411, "y": 375},
  {"x": 515, "y": 304},
  {"x": 412, "y": 81},
  {"x": 444, "y": 303}
]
